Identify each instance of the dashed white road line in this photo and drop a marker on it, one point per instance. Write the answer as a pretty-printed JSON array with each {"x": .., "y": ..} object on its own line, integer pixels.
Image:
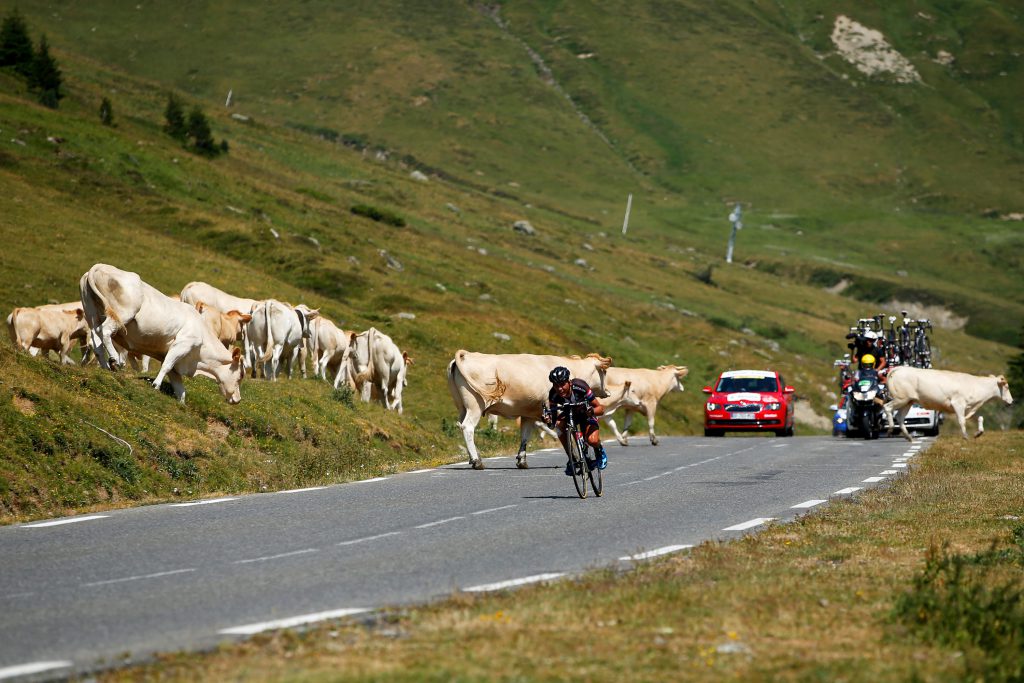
[
  {"x": 138, "y": 577},
  {"x": 31, "y": 668},
  {"x": 369, "y": 538},
  {"x": 438, "y": 522},
  {"x": 512, "y": 583},
  {"x": 808, "y": 504},
  {"x": 890, "y": 471},
  {"x": 59, "y": 522},
  {"x": 259, "y": 627},
  {"x": 900, "y": 465},
  {"x": 872, "y": 480},
  {"x": 749, "y": 524},
  {"x": 848, "y": 489},
  {"x": 209, "y": 501},
  {"x": 266, "y": 558},
  {"x": 489, "y": 510},
  {"x": 655, "y": 553}
]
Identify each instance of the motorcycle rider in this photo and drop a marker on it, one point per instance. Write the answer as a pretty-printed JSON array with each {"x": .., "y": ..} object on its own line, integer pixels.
[{"x": 565, "y": 390}]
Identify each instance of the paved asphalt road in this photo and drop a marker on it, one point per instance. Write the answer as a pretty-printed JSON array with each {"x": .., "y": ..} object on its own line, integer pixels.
[{"x": 82, "y": 592}]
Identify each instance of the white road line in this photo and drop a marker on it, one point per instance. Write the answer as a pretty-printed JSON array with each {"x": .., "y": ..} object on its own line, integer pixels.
[
  {"x": 58, "y": 522},
  {"x": 484, "y": 512},
  {"x": 369, "y": 538},
  {"x": 872, "y": 480},
  {"x": 12, "y": 596},
  {"x": 366, "y": 481},
  {"x": 654, "y": 553},
  {"x": 909, "y": 454},
  {"x": 808, "y": 504},
  {"x": 849, "y": 489},
  {"x": 429, "y": 469},
  {"x": 512, "y": 583},
  {"x": 140, "y": 576},
  {"x": 890, "y": 472},
  {"x": 201, "y": 502},
  {"x": 630, "y": 483},
  {"x": 750, "y": 524},
  {"x": 276, "y": 557},
  {"x": 900, "y": 465},
  {"x": 308, "y": 488},
  {"x": 32, "y": 668},
  {"x": 250, "y": 629},
  {"x": 437, "y": 523}
]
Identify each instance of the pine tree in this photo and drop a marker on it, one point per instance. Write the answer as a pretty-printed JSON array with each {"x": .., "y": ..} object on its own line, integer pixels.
[
  {"x": 1015, "y": 378},
  {"x": 202, "y": 136},
  {"x": 106, "y": 112},
  {"x": 174, "y": 114},
  {"x": 45, "y": 76},
  {"x": 15, "y": 44}
]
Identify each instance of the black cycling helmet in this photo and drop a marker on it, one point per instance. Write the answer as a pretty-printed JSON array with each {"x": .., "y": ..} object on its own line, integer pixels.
[{"x": 559, "y": 375}]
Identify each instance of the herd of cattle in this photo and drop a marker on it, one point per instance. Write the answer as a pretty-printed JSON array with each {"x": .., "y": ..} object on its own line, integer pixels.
[{"x": 121, "y": 319}]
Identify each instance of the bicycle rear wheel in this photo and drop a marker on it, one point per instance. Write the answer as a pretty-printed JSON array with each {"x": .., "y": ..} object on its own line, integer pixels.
[{"x": 579, "y": 466}]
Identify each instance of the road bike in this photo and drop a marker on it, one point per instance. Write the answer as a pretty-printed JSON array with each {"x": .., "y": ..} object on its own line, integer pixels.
[{"x": 582, "y": 457}]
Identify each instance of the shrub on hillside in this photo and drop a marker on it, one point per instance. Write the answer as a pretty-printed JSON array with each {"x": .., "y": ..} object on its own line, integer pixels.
[
  {"x": 45, "y": 76},
  {"x": 15, "y": 44},
  {"x": 379, "y": 215}
]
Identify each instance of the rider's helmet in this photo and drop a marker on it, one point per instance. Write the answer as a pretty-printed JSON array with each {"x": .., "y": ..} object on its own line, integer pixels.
[
  {"x": 867, "y": 361},
  {"x": 559, "y": 375}
]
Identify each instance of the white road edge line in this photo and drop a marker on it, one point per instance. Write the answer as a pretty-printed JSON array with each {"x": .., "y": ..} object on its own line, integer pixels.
[
  {"x": 900, "y": 465},
  {"x": 848, "y": 489},
  {"x": 890, "y": 472},
  {"x": 655, "y": 553},
  {"x": 872, "y": 480},
  {"x": 369, "y": 538},
  {"x": 276, "y": 557},
  {"x": 512, "y": 583},
  {"x": 139, "y": 577},
  {"x": 32, "y": 668},
  {"x": 201, "y": 502},
  {"x": 749, "y": 524},
  {"x": 58, "y": 522},
  {"x": 808, "y": 504},
  {"x": 429, "y": 469},
  {"x": 437, "y": 523},
  {"x": 366, "y": 481},
  {"x": 251, "y": 629},
  {"x": 308, "y": 488}
]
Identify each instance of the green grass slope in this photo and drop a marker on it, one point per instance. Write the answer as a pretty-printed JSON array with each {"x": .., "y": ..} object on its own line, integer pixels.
[{"x": 683, "y": 107}]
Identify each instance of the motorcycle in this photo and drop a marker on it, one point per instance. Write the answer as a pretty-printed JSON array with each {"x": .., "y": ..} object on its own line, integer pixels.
[{"x": 864, "y": 405}]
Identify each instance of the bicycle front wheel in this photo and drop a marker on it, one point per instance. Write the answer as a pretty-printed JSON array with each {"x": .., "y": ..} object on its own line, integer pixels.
[
  {"x": 596, "y": 480},
  {"x": 579, "y": 466}
]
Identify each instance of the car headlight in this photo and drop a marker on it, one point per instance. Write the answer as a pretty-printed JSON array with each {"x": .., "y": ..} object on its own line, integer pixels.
[
  {"x": 775, "y": 405},
  {"x": 712, "y": 406}
]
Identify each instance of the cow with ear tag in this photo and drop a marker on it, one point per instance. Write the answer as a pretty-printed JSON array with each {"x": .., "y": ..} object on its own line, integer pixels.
[{"x": 119, "y": 307}]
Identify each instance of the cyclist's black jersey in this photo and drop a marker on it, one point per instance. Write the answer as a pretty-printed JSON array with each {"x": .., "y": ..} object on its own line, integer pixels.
[{"x": 581, "y": 392}]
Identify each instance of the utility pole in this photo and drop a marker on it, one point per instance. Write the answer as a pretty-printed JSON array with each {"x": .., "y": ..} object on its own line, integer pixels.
[
  {"x": 737, "y": 224},
  {"x": 625, "y": 222}
]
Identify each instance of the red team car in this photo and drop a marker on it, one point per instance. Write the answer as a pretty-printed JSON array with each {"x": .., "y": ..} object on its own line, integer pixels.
[{"x": 749, "y": 400}]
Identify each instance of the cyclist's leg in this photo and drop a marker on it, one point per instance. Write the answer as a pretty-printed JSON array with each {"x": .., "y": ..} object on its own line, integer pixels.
[{"x": 593, "y": 436}]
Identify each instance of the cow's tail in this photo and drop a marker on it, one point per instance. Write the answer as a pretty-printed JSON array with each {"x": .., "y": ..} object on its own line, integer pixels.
[
  {"x": 454, "y": 390},
  {"x": 268, "y": 352},
  {"x": 12, "y": 328},
  {"x": 489, "y": 394}
]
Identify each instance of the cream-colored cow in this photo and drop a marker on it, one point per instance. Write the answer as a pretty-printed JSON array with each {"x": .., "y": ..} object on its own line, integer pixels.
[
  {"x": 120, "y": 307},
  {"x": 950, "y": 392},
  {"x": 648, "y": 388},
  {"x": 512, "y": 385},
  {"x": 226, "y": 326},
  {"x": 51, "y": 327}
]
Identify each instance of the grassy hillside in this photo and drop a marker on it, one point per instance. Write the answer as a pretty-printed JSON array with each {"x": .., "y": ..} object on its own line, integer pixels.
[{"x": 896, "y": 189}]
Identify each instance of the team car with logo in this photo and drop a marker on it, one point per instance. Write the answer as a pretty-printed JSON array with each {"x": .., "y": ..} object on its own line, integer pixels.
[{"x": 748, "y": 400}]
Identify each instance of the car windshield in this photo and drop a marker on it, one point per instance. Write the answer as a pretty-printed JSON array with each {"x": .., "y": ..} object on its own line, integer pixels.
[{"x": 747, "y": 384}]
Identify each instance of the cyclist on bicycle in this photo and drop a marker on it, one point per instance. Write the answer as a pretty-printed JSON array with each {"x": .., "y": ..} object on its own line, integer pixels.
[{"x": 565, "y": 390}]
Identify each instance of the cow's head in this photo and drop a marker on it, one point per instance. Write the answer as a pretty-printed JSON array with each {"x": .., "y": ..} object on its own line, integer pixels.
[
  {"x": 678, "y": 373},
  {"x": 237, "y": 322},
  {"x": 227, "y": 373},
  {"x": 1004, "y": 390}
]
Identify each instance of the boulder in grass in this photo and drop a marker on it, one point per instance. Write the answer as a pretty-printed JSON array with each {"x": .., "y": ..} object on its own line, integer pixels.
[{"x": 524, "y": 227}]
